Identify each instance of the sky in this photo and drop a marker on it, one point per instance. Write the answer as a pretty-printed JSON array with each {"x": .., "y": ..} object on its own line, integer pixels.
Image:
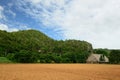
[{"x": 95, "y": 21}]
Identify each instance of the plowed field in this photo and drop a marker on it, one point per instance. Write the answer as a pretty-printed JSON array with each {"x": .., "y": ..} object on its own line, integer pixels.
[{"x": 59, "y": 72}]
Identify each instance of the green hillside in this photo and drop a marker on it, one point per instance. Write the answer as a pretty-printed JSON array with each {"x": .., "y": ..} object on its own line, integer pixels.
[{"x": 32, "y": 42}]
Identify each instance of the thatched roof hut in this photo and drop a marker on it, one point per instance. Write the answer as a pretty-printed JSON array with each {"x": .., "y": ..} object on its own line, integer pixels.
[{"x": 97, "y": 58}]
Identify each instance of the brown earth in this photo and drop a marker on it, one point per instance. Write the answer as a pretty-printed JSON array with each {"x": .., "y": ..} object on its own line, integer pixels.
[{"x": 59, "y": 72}]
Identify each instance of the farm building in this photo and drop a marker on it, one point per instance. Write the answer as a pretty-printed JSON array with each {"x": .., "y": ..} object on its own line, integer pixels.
[{"x": 97, "y": 58}]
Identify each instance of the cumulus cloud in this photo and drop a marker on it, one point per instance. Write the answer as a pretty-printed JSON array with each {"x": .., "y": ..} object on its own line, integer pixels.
[
  {"x": 12, "y": 28},
  {"x": 3, "y": 27},
  {"x": 96, "y": 21},
  {"x": 6, "y": 24},
  {"x": 6, "y": 28},
  {"x": 3, "y": 19}
]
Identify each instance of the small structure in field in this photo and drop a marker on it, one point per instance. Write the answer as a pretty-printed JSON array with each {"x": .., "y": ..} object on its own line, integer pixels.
[{"x": 97, "y": 58}]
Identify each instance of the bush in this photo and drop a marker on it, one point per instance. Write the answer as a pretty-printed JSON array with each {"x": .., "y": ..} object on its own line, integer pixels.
[
  {"x": 114, "y": 57},
  {"x": 4, "y": 60},
  {"x": 25, "y": 57}
]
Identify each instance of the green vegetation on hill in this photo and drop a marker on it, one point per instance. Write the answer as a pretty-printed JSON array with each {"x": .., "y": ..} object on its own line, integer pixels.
[{"x": 31, "y": 46}]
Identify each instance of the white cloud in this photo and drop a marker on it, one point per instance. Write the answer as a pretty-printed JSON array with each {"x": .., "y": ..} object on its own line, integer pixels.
[
  {"x": 9, "y": 9},
  {"x": 11, "y": 28},
  {"x": 96, "y": 21},
  {"x": 4, "y": 19},
  {"x": 1, "y": 13},
  {"x": 35, "y": 1},
  {"x": 3, "y": 27},
  {"x": 12, "y": 13},
  {"x": 6, "y": 28},
  {"x": 1, "y": 8},
  {"x": 24, "y": 27}
]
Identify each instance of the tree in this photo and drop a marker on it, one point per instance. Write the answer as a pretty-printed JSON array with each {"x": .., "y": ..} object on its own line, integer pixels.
[
  {"x": 114, "y": 57},
  {"x": 25, "y": 57},
  {"x": 105, "y": 52}
]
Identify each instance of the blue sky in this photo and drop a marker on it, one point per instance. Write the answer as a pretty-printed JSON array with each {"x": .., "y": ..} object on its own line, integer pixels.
[
  {"x": 95, "y": 21},
  {"x": 16, "y": 19}
]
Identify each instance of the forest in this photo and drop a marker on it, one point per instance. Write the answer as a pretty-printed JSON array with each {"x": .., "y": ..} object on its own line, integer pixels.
[{"x": 32, "y": 46}]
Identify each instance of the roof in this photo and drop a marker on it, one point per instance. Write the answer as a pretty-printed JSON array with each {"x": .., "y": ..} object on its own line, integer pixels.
[{"x": 96, "y": 58}]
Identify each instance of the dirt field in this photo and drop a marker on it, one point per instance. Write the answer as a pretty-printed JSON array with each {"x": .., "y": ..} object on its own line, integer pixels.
[{"x": 59, "y": 72}]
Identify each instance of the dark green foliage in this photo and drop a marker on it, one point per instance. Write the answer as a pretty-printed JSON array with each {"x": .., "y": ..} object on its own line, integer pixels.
[
  {"x": 114, "y": 57},
  {"x": 5, "y": 43},
  {"x": 75, "y": 57},
  {"x": 49, "y": 58},
  {"x": 105, "y": 52},
  {"x": 25, "y": 57},
  {"x": 102, "y": 58},
  {"x": 46, "y": 58},
  {"x": 29, "y": 46}
]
